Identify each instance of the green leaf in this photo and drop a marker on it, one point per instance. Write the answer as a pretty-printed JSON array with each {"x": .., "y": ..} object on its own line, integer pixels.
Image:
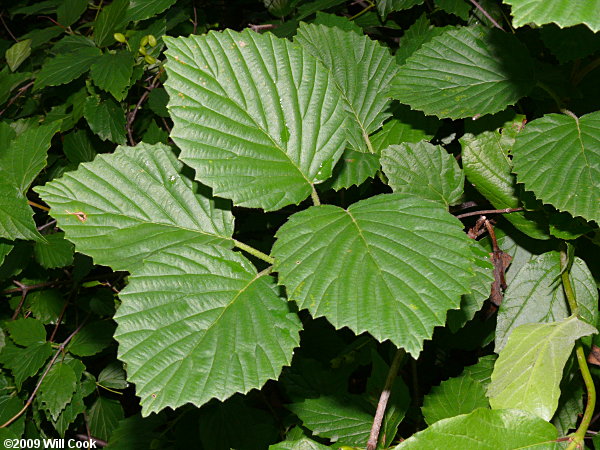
[
  {"x": 113, "y": 376},
  {"x": 482, "y": 371},
  {"x": 70, "y": 11},
  {"x": 529, "y": 369},
  {"x": 46, "y": 305},
  {"x": 74, "y": 407},
  {"x": 463, "y": 72},
  {"x": 353, "y": 168},
  {"x": 57, "y": 388},
  {"x": 302, "y": 443},
  {"x": 16, "y": 220},
  {"x": 535, "y": 295},
  {"x": 486, "y": 429},
  {"x": 112, "y": 73},
  {"x": 123, "y": 207},
  {"x": 154, "y": 134},
  {"x": 56, "y": 251},
  {"x": 144, "y": 9},
  {"x": 24, "y": 362},
  {"x": 453, "y": 397},
  {"x": 564, "y": 13},
  {"x": 384, "y": 7},
  {"x": 18, "y": 53},
  {"x": 78, "y": 147},
  {"x": 92, "y": 338},
  {"x": 425, "y": 170},
  {"x": 418, "y": 34},
  {"x": 365, "y": 267},
  {"x": 459, "y": 8},
  {"x": 136, "y": 433},
  {"x": 112, "y": 18},
  {"x": 5, "y": 249},
  {"x": 197, "y": 322},
  {"x": 331, "y": 20},
  {"x": 259, "y": 119},
  {"x": 487, "y": 165},
  {"x": 558, "y": 158},
  {"x": 570, "y": 43},
  {"x": 341, "y": 419},
  {"x": 157, "y": 102},
  {"x": 106, "y": 118},
  {"x": 9, "y": 407},
  {"x": 66, "y": 67},
  {"x": 27, "y": 331},
  {"x": 570, "y": 406},
  {"x": 104, "y": 416}
]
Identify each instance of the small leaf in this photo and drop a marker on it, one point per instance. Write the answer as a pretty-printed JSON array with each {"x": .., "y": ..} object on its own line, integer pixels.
[
  {"x": 92, "y": 338},
  {"x": 365, "y": 267},
  {"x": 78, "y": 147},
  {"x": 56, "y": 251},
  {"x": 57, "y": 388},
  {"x": 463, "y": 73},
  {"x": 69, "y": 11},
  {"x": 104, "y": 416},
  {"x": 113, "y": 376},
  {"x": 258, "y": 118},
  {"x": 144, "y": 9},
  {"x": 417, "y": 34},
  {"x": 570, "y": 406},
  {"x": 112, "y": 18},
  {"x": 425, "y": 170},
  {"x": 384, "y": 7},
  {"x": 486, "y": 429},
  {"x": 482, "y": 371},
  {"x": 459, "y": 8},
  {"x": 16, "y": 220},
  {"x": 196, "y": 323},
  {"x": 24, "y": 362},
  {"x": 106, "y": 118},
  {"x": 123, "y": 207},
  {"x": 112, "y": 73},
  {"x": 562, "y": 12},
  {"x": 18, "y": 53},
  {"x": 529, "y": 369},
  {"x": 66, "y": 67},
  {"x": 453, "y": 397},
  {"x": 26, "y": 331},
  {"x": 558, "y": 158}
]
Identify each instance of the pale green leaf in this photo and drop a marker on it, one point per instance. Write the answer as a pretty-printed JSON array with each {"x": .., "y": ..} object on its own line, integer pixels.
[
  {"x": 417, "y": 34},
  {"x": 564, "y": 13},
  {"x": 111, "y": 19},
  {"x": 259, "y": 119},
  {"x": 18, "y": 53},
  {"x": 530, "y": 367},
  {"x": 464, "y": 72},
  {"x": 123, "y": 207},
  {"x": 144, "y": 9},
  {"x": 486, "y": 429},
  {"x": 392, "y": 265},
  {"x": 197, "y": 322},
  {"x": 66, "y": 67},
  {"x": 112, "y": 73},
  {"x": 70, "y": 11},
  {"x": 26, "y": 331},
  {"x": 104, "y": 416},
  {"x": 453, "y": 397},
  {"x": 558, "y": 158},
  {"x": 425, "y": 170},
  {"x": 16, "y": 220},
  {"x": 384, "y": 7},
  {"x": 24, "y": 362},
  {"x": 106, "y": 118},
  {"x": 487, "y": 165},
  {"x": 56, "y": 251},
  {"x": 57, "y": 388},
  {"x": 535, "y": 295}
]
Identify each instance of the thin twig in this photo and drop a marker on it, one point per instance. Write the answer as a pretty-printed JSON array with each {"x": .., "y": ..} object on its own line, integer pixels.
[
  {"x": 133, "y": 113},
  {"x": 195, "y": 22},
  {"x": 485, "y": 13},
  {"x": 49, "y": 224},
  {"x": 24, "y": 292},
  {"x": 7, "y": 29},
  {"x": 37, "y": 205},
  {"x": 383, "y": 399},
  {"x": 489, "y": 211},
  {"x": 60, "y": 349},
  {"x": 259, "y": 28},
  {"x": 14, "y": 98},
  {"x": 59, "y": 320}
]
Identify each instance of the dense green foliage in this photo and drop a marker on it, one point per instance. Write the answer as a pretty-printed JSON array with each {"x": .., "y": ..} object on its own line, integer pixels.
[{"x": 235, "y": 224}]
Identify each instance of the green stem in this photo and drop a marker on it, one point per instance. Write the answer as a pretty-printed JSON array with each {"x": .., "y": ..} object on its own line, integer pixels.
[
  {"x": 315, "y": 197},
  {"x": 370, "y": 6},
  {"x": 579, "y": 435},
  {"x": 254, "y": 252}
]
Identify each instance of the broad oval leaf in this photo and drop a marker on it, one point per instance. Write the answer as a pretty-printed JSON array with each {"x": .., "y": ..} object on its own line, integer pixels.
[
  {"x": 507, "y": 429},
  {"x": 530, "y": 367},
  {"x": 465, "y": 72},
  {"x": 425, "y": 170},
  {"x": 197, "y": 322},
  {"x": 564, "y": 13},
  {"x": 123, "y": 207},
  {"x": 558, "y": 158},
  {"x": 259, "y": 119},
  {"x": 392, "y": 265}
]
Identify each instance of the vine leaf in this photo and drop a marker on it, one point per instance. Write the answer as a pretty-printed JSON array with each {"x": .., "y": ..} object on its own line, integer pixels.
[
  {"x": 425, "y": 170},
  {"x": 564, "y": 13},
  {"x": 529, "y": 369},
  {"x": 392, "y": 265},
  {"x": 197, "y": 322},
  {"x": 464, "y": 72},
  {"x": 485, "y": 428},
  {"x": 535, "y": 295},
  {"x": 258, "y": 118},
  {"x": 123, "y": 207},
  {"x": 558, "y": 158}
]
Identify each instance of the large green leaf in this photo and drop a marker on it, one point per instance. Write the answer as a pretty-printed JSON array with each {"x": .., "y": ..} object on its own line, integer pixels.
[
  {"x": 530, "y": 367},
  {"x": 259, "y": 119},
  {"x": 123, "y": 207},
  {"x": 112, "y": 72},
  {"x": 392, "y": 265},
  {"x": 535, "y": 295},
  {"x": 564, "y": 13},
  {"x": 465, "y": 72},
  {"x": 425, "y": 170},
  {"x": 558, "y": 158},
  {"x": 453, "y": 397},
  {"x": 65, "y": 67},
  {"x": 486, "y": 429},
  {"x": 197, "y": 322}
]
